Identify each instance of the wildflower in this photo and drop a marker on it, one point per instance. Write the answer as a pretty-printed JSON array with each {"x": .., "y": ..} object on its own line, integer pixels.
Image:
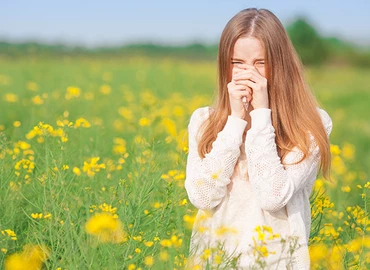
[
  {"x": 106, "y": 228},
  {"x": 91, "y": 166},
  {"x": 10, "y": 97},
  {"x": 10, "y": 234},
  {"x": 206, "y": 254},
  {"x": 31, "y": 258},
  {"x": 105, "y": 89},
  {"x": 77, "y": 171},
  {"x": 72, "y": 92},
  {"x": 32, "y": 86},
  {"x": 149, "y": 243},
  {"x": 334, "y": 149},
  {"x": 144, "y": 122},
  {"x": 348, "y": 151},
  {"x": 82, "y": 122},
  {"x": 37, "y": 100},
  {"x": 170, "y": 126},
  {"x": 149, "y": 260},
  {"x": 120, "y": 146},
  {"x": 166, "y": 243},
  {"x": 126, "y": 113},
  {"x": 163, "y": 255}
]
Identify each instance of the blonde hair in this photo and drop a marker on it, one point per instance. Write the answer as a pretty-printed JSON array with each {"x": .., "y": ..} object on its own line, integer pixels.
[{"x": 293, "y": 106}]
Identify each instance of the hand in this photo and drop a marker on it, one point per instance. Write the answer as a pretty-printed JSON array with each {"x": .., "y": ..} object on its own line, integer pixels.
[
  {"x": 236, "y": 93},
  {"x": 247, "y": 75}
]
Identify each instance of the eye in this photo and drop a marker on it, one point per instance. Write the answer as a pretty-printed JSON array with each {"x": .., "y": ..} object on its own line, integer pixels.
[
  {"x": 260, "y": 63},
  {"x": 236, "y": 62}
]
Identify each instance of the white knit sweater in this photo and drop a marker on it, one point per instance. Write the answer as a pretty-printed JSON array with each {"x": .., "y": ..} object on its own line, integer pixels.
[{"x": 259, "y": 190}]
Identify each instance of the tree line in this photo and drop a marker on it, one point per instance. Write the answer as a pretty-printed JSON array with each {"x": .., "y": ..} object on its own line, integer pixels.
[{"x": 312, "y": 48}]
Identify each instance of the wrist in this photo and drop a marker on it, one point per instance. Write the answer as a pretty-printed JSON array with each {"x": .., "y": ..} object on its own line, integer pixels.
[{"x": 238, "y": 115}]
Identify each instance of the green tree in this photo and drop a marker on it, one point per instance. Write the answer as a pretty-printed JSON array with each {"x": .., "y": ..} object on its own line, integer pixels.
[{"x": 309, "y": 44}]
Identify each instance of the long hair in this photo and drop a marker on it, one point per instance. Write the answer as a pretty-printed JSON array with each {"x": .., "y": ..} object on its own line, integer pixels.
[{"x": 292, "y": 104}]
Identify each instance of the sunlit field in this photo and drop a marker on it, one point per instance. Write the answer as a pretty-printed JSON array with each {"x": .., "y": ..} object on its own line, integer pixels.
[{"x": 93, "y": 154}]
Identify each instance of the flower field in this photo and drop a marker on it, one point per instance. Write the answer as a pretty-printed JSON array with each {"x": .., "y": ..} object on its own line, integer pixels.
[{"x": 93, "y": 154}]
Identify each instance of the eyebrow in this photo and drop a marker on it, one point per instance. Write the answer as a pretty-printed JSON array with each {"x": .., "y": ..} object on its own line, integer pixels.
[{"x": 258, "y": 59}]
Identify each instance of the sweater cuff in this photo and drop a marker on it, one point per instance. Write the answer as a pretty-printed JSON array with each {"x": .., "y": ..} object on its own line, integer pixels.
[
  {"x": 235, "y": 127},
  {"x": 260, "y": 118}
]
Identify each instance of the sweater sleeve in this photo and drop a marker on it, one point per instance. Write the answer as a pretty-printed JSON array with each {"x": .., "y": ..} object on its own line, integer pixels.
[
  {"x": 273, "y": 184},
  {"x": 207, "y": 178}
]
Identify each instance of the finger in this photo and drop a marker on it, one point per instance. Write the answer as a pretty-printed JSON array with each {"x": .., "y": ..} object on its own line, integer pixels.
[
  {"x": 239, "y": 87},
  {"x": 244, "y": 82},
  {"x": 244, "y": 93},
  {"x": 237, "y": 70},
  {"x": 250, "y": 84},
  {"x": 250, "y": 75},
  {"x": 246, "y": 66}
]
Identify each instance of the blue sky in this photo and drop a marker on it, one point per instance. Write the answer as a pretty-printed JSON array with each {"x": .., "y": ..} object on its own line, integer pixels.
[{"x": 97, "y": 23}]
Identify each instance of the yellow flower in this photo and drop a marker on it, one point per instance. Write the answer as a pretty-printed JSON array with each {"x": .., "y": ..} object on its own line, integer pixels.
[
  {"x": 262, "y": 250},
  {"x": 157, "y": 205},
  {"x": 47, "y": 216},
  {"x": 334, "y": 149},
  {"x": 166, "y": 243},
  {"x": 32, "y": 86},
  {"x": 37, "y": 100},
  {"x": 76, "y": 171},
  {"x": 346, "y": 189},
  {"x": 91, "y": 166},
  {"x": 126, "y": 113},
  {"x": 31, "y": 258},
  {"x": 17, "y": 123},
  {"x": 106, "y": 228},
  {"x": 36, "y": 215},
  {"x": 82, "y": 122},
  {"x": 10, "y": 97},
  {"x": 206, "y": 254},
  {"x": 144, "y": 121},
  {"x": 184, "y": 202},
  {"x": 105, "y": 89},
  {"x": 348, "y": 151},
  {"x": 120, "y": 146},
  {"x": 9, "y": 233},
  {"x": 149, "y": 261},
  {"x": 72, "y": 92},
  {"x": 170, "y": 126},
  {"x": 131, "y": 266},
  {"x": 149, "y": 243},
  {"x": 163, "y": 255},
  {"x": 223, "y": 230}
]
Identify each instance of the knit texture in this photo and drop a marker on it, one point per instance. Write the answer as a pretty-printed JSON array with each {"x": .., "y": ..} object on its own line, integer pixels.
[{"x": 240, "y": 185}]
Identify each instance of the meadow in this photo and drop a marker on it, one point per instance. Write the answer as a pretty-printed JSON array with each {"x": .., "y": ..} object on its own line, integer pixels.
[{"x": 93, "y": 154}]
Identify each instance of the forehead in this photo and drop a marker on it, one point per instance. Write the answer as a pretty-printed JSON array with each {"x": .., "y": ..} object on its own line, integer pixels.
[{"x": 248, "y": 47}]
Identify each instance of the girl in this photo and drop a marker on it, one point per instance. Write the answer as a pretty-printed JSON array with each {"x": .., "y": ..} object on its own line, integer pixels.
[{"x": 254, "y": 155}]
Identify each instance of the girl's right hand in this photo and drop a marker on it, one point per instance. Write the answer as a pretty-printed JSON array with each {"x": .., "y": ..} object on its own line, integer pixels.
[{"x": 236, "y": 93}]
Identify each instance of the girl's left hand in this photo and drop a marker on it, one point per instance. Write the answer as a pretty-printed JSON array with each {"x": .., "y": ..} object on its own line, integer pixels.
[{"x": 248, "y": 75}]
